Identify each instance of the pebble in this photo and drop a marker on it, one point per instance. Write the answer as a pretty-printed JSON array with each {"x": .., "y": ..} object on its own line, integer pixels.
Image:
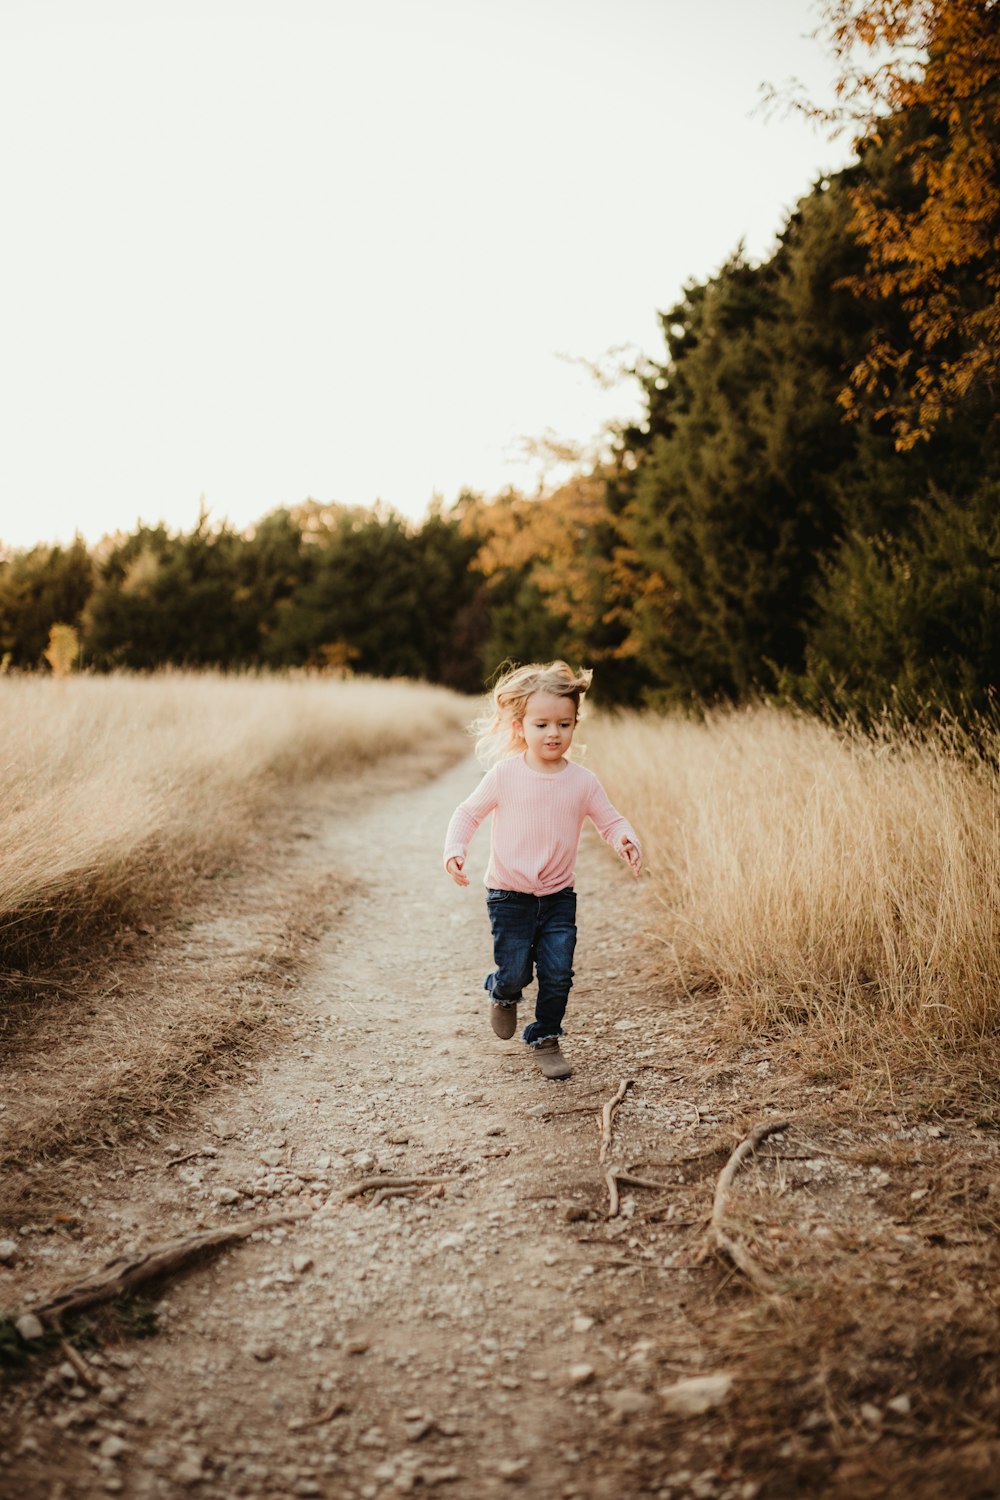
[
  {"x": 29, "y": 1327},
  {"x": 272, "y": 1157},
  {"x": 628, "y": 1403},
  {"x": 356, "y": 1346},
  {"x": 226, "y": 1195},
  {"x": 582, "y": 1323},
  {"x": 8, "y": 1251},
  {"x": 901, "y": 1405},
  {"x": 364, "y": 1161},
  {"x": 580, "y": 1374},
  {"x": 697, "y": 1394},
  {"x": 190, "y": 1470},
  {"x": 113, "y": 1447},
  {"x": 301, "y": 1264}
]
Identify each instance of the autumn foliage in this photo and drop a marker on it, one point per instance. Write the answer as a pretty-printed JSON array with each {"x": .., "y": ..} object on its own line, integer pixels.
[{"x": 933, "y": 101}]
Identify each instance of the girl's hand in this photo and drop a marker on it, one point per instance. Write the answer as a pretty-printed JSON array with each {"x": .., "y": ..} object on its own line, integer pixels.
[
  {"x": 633, "y": 854},
  {"x": 454, "y": 868}
]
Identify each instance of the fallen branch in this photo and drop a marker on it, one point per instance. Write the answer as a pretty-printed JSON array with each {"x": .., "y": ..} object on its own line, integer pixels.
[
  {"x": 80, "y": 1365},
  {"x": 367, "y": 1183},
  {"x": 608, "y": 1119},
  {"x": 120, "y": 1277},
  {"x": 391, "y": 1192},
  {"x": 737, "y": 1253},
  {"x": 298, "y": 1424},
  {"x": 643, "y": 1182}
]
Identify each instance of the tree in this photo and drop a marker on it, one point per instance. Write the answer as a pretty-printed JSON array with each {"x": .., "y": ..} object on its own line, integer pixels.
[
  {"x": 171, "y": 598},
  {"x": 912, "y": 622},
  {"x": 934, "y": 251},
  {"x": 39, "y": 588},
  {"x": 745, "y": 468}
]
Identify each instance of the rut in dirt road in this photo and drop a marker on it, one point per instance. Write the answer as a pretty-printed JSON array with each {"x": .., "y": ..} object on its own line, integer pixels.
[{"x": 484, "y": 1331}]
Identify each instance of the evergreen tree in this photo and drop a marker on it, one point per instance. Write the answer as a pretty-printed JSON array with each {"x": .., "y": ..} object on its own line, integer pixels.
[{"x": 39, "y": 588}]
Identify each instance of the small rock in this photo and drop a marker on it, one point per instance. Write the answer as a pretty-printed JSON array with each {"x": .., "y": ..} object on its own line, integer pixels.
[
  {"x": 226, "y": 1195},
  {"x": 323, "y": 1162},
  {"x": 582, "y": 1323},
  {"x": 512, "y": 1468},
  {"x": 110, "y": 1395},
  {"x": 398, "y": 1137},
  {"x": 495, "y": 1130},
  {"x": 901, "y": 1405},
  {"x": 301, "y": 1264},
  {"x": 915, "y": 1197},
  {"x": 364, "y": 1161},
  {"x": 191, "y": 1469},
  {"x": 697, "y": 1394},
  {"x": 628, "y": 1403},
  {"x": 356, "y": 1346},
  {"x": 418, "y": 1429},
  {"x": 871, "y": 1414},
  {"x": 272, "y": 1157},
  {"x": 113, "y": 1447},
  {"x": 447, "y": 1474},
  {"x": 8, "y": 1252},
  {"x": 29, "y": 1327},
  {"x": 539, "y": 1111},
  {"x": 580, "y": 1374}
]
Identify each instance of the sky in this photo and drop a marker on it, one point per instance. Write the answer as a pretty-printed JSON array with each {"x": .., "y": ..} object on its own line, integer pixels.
[{"x": 259, "y": 251}]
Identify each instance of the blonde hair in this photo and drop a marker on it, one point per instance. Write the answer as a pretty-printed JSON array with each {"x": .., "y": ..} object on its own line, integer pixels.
[{"x": 508, "y": 702}]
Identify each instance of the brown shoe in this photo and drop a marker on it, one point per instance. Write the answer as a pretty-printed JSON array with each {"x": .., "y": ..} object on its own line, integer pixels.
[
  {"x": 503, "y": 1019},
  {"x": 550, "y": 1060}
]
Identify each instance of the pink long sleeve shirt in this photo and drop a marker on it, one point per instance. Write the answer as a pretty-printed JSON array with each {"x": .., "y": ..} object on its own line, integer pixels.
[{"x": 536, "y": 824}]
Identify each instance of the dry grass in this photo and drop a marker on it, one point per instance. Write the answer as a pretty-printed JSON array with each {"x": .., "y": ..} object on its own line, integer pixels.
[
  {"x": 158, "y": 898},
  {"x": 840, "y": 885},
  {"x": 119, "y": 788}
]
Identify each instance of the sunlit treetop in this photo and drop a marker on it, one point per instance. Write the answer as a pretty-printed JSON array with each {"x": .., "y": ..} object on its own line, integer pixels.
[{"x": 920, "y": 84}]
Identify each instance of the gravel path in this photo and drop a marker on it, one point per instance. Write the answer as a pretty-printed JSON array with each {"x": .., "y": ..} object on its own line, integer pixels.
[
  {"x": 469, "y": 1337},
  {"x": 494, "y": 1333}
]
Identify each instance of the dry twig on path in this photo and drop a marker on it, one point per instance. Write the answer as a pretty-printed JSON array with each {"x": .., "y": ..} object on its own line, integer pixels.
[
  {"x": 80, "y": 1365},
  {"x": 367, "y": 1183},
  {"x": 737, "y": 1253},
  {"x": 608, "y": 1119},
  {"x": 120, "y": 1277}
]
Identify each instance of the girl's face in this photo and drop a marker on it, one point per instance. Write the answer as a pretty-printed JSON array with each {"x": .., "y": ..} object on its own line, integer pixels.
[{"x": 547, "y": 729}]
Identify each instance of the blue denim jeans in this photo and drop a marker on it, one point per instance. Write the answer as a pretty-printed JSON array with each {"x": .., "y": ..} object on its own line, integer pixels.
[{"x": 533, "y": 933}]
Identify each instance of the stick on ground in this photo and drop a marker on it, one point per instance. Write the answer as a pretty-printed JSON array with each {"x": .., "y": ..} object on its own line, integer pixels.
[
  {"x": 120, "y": 1277},
  {"x": 737, "y": 1253},
  {"x": 608, "y": 1119},
  {"x": 367, "y": 1183}
]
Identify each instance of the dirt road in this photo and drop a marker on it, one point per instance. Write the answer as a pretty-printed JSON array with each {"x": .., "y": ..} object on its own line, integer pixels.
[{"x": 489, "y": 1334}]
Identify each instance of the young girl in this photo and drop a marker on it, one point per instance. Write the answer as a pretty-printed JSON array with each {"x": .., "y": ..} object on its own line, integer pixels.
[{"x": 539, "y": 800}]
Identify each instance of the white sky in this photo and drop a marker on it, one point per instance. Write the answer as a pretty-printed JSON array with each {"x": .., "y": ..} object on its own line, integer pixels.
[{"x": 260, "y": 250}]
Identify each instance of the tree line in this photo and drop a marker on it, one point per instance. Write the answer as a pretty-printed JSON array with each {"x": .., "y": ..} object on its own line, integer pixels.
[{"x": 807, "y": 509}]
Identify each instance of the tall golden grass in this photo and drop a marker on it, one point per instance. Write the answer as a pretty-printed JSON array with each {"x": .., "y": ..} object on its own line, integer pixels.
[
  {"x": 110, "y": 783},
  {"x": 845, "y": 880}
]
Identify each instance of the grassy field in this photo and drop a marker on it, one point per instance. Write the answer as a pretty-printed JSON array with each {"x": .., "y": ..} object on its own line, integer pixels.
[
  {"x": 840, "y": 888},
  {"x": 116, "y": 788},
  {"x": 145, "y": 944}
]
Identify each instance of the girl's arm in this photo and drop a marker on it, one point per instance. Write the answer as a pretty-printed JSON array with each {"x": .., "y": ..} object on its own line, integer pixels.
[
  {"x": 613, "y": 828},
  {"x": 464, "y": 821}
]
